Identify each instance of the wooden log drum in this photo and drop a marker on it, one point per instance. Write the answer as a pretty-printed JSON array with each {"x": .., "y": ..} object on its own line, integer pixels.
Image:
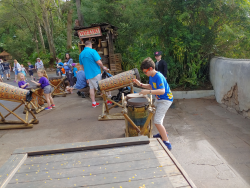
[
  {"x": 22, "y": 96},
  {"x": 138, "y": 113},
  {"x": 115, "y": 82}
]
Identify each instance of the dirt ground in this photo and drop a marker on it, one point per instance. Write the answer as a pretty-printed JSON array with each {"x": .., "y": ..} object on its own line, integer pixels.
[{"x": 211, "y": 143}]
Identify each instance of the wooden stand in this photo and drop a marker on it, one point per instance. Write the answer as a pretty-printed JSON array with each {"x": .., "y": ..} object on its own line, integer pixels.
[
  {"x": 59, "y": 89},
  {"x": 21, "y": 123},
  {"x": 105, "y": 109},
  {"x": 142, "y": 131},
  {"x": 37, "y": 102}
]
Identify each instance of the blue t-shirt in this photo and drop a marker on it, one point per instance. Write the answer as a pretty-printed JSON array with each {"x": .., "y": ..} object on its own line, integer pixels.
[
  {"x": 31, "y": 68},
  {"x": 21, "y": 83},
  {"x": 44, "y": 82},
  {"x": 88, "y": 59},
  {"x": 160, "y": 82},
  {"x": 60, "y": 64},
  {"x": 74, "y": 71},
  {"x": 81, "y": 81}
]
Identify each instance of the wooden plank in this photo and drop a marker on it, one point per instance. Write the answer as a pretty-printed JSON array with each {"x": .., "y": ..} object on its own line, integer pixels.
[
  {"x": 184, "y": 174},
  {"x": 90, "y": 154},
  {"x": 9, "y": 168},
  {"x": 80, "y": 146},
  {"x": 147, "y": 183},
  {"x": 88, "y": 162},
  {"x": 102, "y": 169},
  {"x": 96, "y": 180}
]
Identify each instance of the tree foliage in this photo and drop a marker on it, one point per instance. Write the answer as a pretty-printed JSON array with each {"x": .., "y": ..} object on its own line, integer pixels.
[{"x": 189, "y": 32}]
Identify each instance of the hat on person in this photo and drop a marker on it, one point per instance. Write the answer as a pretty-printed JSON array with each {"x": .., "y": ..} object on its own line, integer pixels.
[
  {"x": 73, "y": 64},
  {"x": 158, "y": 53},
  {"x": 38, "y": 58}
]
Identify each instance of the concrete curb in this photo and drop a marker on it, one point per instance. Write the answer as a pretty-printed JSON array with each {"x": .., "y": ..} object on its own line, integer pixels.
[{"x": 187, "y": 94}]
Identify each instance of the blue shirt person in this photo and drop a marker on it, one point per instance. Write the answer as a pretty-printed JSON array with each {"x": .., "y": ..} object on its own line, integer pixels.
[
  {"x": 158, "y": 81},
  {"x": 88, "y": 59},
  {"x": 81, "y": 80},
  {"x": 90, "y": 62}
]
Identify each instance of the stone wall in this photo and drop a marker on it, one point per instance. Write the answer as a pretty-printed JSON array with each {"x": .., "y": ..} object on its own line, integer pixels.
[{"x": 231, "y": 81}]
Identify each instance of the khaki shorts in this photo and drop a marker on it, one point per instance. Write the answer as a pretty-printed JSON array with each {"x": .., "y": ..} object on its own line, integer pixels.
[
  {"x": 162, "y": 107},
  {"x": 93, "y": 82}
]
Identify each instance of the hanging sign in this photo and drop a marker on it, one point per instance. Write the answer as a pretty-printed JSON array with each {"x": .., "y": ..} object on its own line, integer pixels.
[{"x": 90, "y": 32}]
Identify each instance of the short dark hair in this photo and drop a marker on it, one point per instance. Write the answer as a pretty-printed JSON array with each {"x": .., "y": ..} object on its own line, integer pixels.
[
  {"x": 4, "y": 59},
  {"x": 88, "y": 43},
  {"x": 147, "y": 63}
]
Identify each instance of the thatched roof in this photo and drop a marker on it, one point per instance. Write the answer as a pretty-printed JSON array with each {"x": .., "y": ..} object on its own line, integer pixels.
[{"x": 4, "y": 54}]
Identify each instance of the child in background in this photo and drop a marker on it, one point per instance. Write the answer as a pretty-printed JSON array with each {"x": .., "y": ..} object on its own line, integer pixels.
[
  {"x": 1, "y": 69},
  {"x": 59, "y": 67},
  {"x": 23, "y": 70},
  {"x": 74, "y": 73},
  {"x": 63, "y": 72},
  {"x": 66, "y": 67},
  {"x": 31, "y": 68},
  {"x": 68, "y": 89},
  {"x": 21, "y": 81},
  {"x": 44, "y": 83}
]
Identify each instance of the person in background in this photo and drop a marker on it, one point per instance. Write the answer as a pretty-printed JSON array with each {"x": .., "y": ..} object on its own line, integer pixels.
[
  {"x": 69, "y": 75},
  {"x": 161, "y": 65},
  {"x": 81, "y": 84},
  {"x": 39, "y": 64},
  {"x": 63, "y": 72},
  {"x": 23, "y": 70},
  {"x": 91, "y": 60},
  {"x": 59, "y": 66},
  {"x": 44, "y": 83},
  {"x": 21, "y": 81},
  {"x": 1, "y": 69},
  {"x": 74, "y": 72},
  {"x": 7, "y": 68},
  {"x": 16, "y": 69},
  {"x": 159, "y": 87},
  {"x": 31, "y": 68}
]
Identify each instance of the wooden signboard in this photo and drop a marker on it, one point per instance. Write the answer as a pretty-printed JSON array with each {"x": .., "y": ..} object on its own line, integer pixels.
[
  {"x": 90, "y": 32},
  {"x": 131, "y": 162}
]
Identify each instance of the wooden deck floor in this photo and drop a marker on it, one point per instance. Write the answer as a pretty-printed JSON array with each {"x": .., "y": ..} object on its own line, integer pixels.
[{"x": 136, "y": 164}]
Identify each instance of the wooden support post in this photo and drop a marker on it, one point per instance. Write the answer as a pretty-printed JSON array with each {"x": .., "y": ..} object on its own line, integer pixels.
[
  {"x": 12, "y": 113},
  {"x": 13, "y": 110},
  {"x": 132, "y": 123},
  {"x": 147, "y": 122},
  {"x": 132, "y": 87},
  {"x": 115, "y": 102},
  {"x": 105, "y": 101}
]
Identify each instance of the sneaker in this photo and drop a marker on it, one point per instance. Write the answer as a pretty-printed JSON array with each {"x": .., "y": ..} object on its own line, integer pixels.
[
  {"x": 48, "y": 108},
  {"x": 158, "y": 135},
  {"x": 109, "y": 103},
  {"x": 169, "y": 146},
  {"x": 95, "y": 105},
  {"x": 53, "y": 105}
]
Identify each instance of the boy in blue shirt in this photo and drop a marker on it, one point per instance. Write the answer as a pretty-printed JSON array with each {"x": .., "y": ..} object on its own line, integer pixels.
[{"x": 164, "y": 97}]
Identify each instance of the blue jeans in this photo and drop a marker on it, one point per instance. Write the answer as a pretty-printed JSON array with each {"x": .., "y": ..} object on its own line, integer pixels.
[{"x": 16, "y": 72}]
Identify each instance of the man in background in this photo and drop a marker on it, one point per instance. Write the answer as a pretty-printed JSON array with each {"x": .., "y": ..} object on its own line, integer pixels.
[
  {"x": 91, "y": 61},
  {"x": 39, "y": 64},
  {"x": 7, "y": 68},
  {"x": 161, "y": 65}
]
